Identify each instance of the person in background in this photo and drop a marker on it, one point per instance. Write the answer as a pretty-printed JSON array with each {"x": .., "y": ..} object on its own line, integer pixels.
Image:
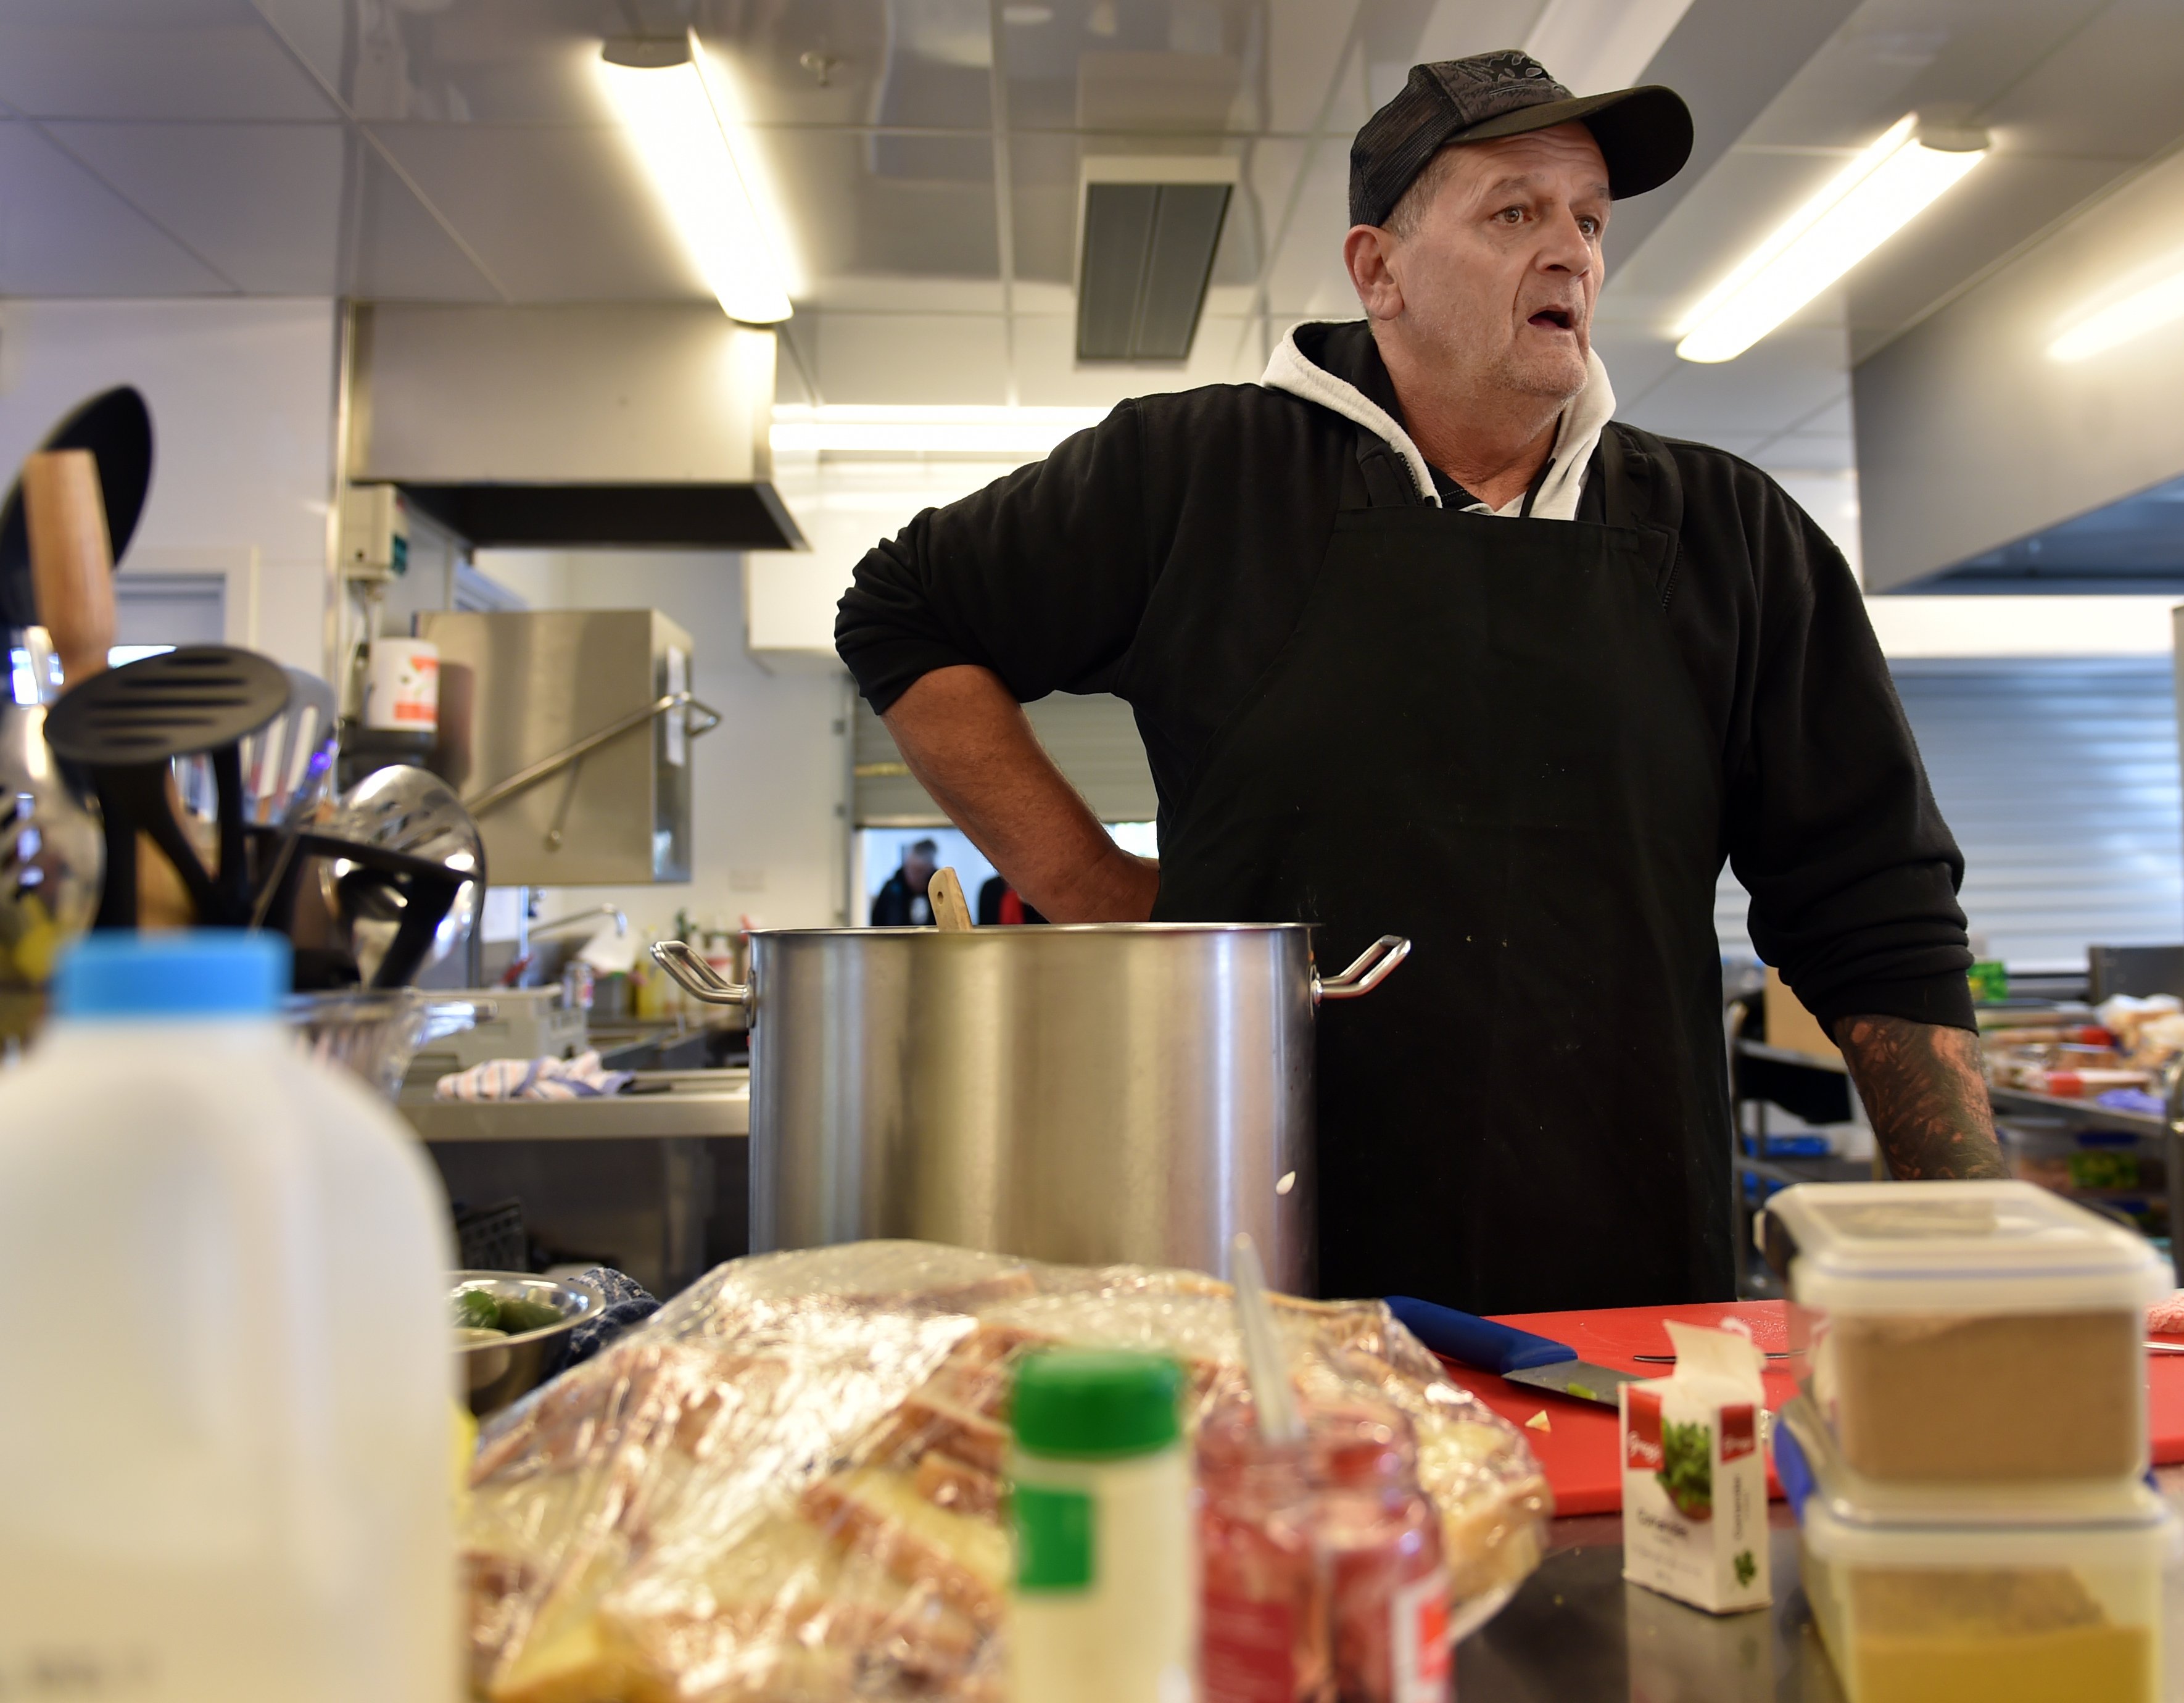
[
  {"x": 901, "y": 902},
  {"x": 999, "y": 903}
]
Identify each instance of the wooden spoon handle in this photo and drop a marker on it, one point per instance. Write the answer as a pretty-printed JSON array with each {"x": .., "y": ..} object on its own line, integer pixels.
[
  {"x": 71, "y": 560},
  {"x": 945, "y": 894}
]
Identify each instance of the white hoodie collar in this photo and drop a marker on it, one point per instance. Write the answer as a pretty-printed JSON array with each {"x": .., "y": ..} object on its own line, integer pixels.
[{"x": 1575, "y": 439}]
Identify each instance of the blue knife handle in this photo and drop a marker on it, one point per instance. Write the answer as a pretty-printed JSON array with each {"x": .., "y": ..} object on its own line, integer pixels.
[{"x": 1474, "y": 1341}]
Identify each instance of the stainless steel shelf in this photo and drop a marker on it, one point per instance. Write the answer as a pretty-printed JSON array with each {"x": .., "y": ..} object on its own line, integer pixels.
[
  {"x": 2081, "y": 1114},
  {"x": 686, "y": 1103}
]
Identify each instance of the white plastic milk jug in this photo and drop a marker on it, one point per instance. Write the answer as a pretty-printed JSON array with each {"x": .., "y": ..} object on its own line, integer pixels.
[{"x": 225, "y": 1384}]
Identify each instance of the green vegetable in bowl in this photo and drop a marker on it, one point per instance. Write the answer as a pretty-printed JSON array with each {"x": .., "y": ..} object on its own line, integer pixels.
[
  {"x": 519, "y": 1316},
  {"x": 477, "y": 1310},
  {"x": 1687, "y": 1468}
]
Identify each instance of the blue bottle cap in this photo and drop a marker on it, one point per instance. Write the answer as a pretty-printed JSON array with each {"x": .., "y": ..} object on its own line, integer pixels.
[{"x": 192, "y": 972}]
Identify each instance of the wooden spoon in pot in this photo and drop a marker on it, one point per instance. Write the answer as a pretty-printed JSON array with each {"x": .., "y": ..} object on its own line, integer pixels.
[{"x": 944, "y": 893}]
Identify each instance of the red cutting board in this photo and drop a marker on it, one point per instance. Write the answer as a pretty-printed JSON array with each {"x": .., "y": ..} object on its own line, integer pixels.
[{"x": 1578, "y": 1451}]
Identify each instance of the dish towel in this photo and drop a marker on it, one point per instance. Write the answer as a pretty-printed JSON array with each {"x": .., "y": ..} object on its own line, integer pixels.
[
  {"x": 628, "y": 1302},
  {"x": 581, "y": 1078}
]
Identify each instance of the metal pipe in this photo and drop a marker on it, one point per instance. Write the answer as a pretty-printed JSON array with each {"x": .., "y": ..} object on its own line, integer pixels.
[{"x": 620, "y": 920}]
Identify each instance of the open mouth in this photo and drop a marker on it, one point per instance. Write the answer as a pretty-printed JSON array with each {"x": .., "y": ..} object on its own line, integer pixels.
[{"x": 1554, "y": 319}]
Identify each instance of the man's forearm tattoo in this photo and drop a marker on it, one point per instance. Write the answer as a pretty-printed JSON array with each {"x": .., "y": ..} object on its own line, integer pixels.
[{"x": 1922, "y": 1088}]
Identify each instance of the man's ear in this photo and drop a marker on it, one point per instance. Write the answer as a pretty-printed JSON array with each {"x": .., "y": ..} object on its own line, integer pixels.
[{"x": 1368, "y": 252}]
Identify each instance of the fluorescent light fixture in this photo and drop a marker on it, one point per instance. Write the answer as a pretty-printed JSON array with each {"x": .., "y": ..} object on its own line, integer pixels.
[
  {"x": 1872, "y": 198},
  {"x": 672, "y": 112},
  {"x": 1014, "y": 432},
  {"x": 2159, "y": 303}
]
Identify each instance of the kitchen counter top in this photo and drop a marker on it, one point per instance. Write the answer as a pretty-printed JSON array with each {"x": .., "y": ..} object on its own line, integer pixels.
[
  {"x": 666, "y": 1103},
  {"x": 1576, "y": 1632}
]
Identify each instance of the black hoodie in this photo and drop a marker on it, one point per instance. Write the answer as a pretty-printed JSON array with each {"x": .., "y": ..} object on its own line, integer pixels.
[{"x": 1164, "y": 555}]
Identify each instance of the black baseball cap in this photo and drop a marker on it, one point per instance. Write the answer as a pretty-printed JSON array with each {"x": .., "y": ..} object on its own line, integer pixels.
[{"x": 1645, "y": 134}]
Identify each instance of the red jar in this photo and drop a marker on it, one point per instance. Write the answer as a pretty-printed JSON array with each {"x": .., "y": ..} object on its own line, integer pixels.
[
  {"x": 1264, "y": 1623},
  {"x": 1380, "y": 1540}
]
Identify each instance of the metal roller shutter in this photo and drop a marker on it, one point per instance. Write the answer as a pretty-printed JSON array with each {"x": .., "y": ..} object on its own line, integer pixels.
[
  {"x": 1092, "y": 739},
  {"x": 2060, "y": 781}
]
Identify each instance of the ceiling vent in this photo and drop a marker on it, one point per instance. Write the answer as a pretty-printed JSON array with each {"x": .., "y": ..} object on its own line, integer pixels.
[{"x": 1146, "y": 238}]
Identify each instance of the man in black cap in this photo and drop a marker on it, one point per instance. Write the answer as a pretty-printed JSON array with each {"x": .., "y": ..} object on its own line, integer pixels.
[{"x": 1420, "y": 642}]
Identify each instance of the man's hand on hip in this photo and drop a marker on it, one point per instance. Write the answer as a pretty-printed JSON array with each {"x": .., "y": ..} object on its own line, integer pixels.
[
  {"x": 966, "y": 740},
  {"x": 1922, "y": 1088}
]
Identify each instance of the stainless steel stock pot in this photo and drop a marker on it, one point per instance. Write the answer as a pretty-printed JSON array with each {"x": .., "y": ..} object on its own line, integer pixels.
[{"x": 1087, "y": 1094}]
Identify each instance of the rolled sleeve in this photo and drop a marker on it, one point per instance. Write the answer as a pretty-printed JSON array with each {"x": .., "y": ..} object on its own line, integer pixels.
[{"x": 1043, "y": 577}]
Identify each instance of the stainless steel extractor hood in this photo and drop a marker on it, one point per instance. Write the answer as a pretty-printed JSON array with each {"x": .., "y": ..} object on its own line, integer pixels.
[
  {"x": 1146, "y": 235},
  {"x": 570, "y": 426}
]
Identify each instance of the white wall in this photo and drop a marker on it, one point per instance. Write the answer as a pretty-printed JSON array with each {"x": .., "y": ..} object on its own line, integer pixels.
[
  {"x": 768, "y": 784},
  {"x": 242, "y": 396}
]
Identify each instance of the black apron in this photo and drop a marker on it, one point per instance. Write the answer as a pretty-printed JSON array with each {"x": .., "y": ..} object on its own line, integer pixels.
[{"x": 1480, "y": 735}]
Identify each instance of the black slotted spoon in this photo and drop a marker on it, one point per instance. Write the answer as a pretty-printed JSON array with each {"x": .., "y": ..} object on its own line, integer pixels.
[{"x": 128, "y": 724}]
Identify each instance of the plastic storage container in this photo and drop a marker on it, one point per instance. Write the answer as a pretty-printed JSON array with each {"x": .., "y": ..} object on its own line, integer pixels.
[
  {"x": 2016, "y": 1602},
  {"x": 1970, "y": 1331},
  {"x": 225, "y": 1443}
]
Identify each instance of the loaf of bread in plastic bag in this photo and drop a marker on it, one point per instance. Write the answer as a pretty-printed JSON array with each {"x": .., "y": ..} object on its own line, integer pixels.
[{"x": 787, "y": 1487}]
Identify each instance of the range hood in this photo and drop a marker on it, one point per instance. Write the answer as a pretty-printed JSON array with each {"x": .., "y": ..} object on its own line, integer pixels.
[{"x": 629, "y": 427}]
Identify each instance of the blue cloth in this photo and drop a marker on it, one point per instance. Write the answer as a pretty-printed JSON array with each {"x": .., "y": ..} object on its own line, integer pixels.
[
  {"x": 2130, "y": 1100},
  {"x": 629, "y": 1304}
]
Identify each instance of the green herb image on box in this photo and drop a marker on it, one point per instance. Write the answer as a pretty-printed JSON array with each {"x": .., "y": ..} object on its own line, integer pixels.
[{"x": 1687, "y": 1468}]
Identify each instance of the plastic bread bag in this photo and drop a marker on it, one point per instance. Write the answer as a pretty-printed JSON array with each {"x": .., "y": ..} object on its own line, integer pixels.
[{"x": 786, "y": 1487}]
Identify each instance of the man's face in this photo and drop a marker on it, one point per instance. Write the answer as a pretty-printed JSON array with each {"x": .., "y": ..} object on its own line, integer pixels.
[
  {"x": 1498, "y": 275},
  {"x": 917, "y": 869}
]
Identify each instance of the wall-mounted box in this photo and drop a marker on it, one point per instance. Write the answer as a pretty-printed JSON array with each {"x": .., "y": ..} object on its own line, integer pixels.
[{"x": 517, "y": 691}]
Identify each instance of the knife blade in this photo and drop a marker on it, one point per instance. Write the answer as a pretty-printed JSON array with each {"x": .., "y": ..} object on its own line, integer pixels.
[{"x": 1518, "y": 1355}]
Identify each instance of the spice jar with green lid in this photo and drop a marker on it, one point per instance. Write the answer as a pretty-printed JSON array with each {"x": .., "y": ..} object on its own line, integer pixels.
[{"x": 1104, "y": 1604}]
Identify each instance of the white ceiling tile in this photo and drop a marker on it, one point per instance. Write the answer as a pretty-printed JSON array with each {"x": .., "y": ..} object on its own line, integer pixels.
[
  {"x": 908, "y": 357},
  {"x": 148, "y": 59},
  {"x": 1636, "y": 359},
  {"x": 1833, "y": 419},
  {"x": 64, "y": 233},
  {"x": 1735, "y": 207},
  {"x": 1811, "y": 452},
  {"x": 1780, "y": 380},
  {"x": 1307, "y": 275},
  {"x": 261, "y": 201},
  {"x": 396, "y": 250},
  {"x": 1043, "y": 181},
  {"x": 1304, "y": 50},
  {"x": 1899, "y": 56},
  {"x": 557, "y": 213},
  {"x": 454, "y": 61},
  {"x": 860, "y": 209},
  {"x": 1049, "y": 374},
  {"x": 2109, "y": 89},
  {"x": 2004, "y": 200},
  {"x": 1458, "y": 28}
]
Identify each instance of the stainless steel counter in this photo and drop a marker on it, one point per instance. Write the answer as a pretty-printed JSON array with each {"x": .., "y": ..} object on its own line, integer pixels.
[
  {"x": 1576, "y": 1632},
  {"x": 655, "y": 1181},
  {"x": 661, "y": 1104}
]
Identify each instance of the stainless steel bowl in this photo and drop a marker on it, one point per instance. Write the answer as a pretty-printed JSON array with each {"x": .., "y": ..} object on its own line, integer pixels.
[{"x": 496, "y": 1373}]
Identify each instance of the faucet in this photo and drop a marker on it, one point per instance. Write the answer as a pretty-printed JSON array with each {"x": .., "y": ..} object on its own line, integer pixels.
[{"x": 574, "y": 917}]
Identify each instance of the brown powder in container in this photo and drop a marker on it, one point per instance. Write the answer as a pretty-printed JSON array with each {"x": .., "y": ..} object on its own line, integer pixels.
[{"x": 2012, "y": 1397}]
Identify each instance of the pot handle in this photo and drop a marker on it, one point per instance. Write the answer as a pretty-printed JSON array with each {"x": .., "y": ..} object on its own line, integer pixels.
[
  {"x": 698, "y": 979},
  {"x": 1372, "y": 968}
]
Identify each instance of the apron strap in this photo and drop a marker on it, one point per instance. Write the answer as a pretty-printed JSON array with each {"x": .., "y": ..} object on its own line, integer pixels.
[{"x": 1641, "y": 488}]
